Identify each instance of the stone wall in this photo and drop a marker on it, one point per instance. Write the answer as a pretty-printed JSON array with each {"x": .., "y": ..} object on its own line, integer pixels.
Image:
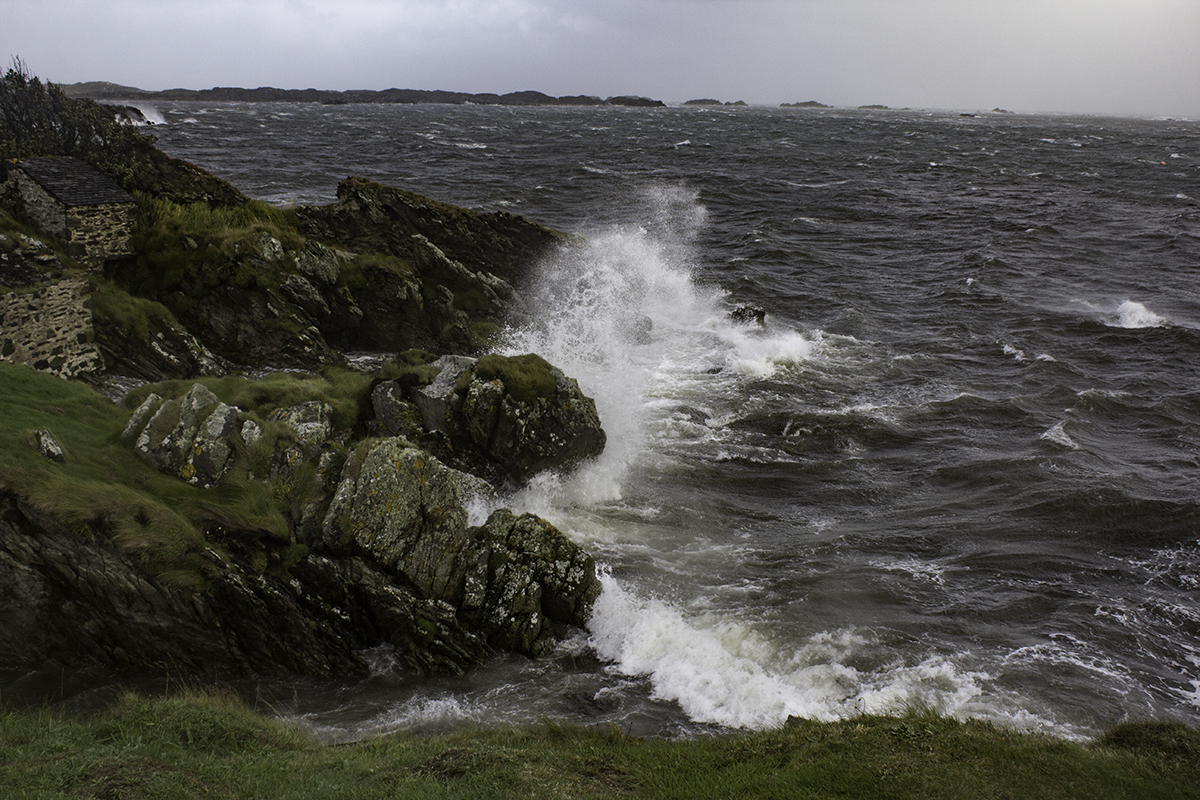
[
  {"x": 41, "y": 207},
  {"x": 98, "y": 233},
  {"x": 50, "y": 329}
]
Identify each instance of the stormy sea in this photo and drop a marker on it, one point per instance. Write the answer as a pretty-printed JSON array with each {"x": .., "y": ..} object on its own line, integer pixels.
[{"x": 956, "y": 468}]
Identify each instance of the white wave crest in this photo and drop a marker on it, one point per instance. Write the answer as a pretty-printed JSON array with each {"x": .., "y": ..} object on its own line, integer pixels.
[
  {"x": 1059, "y": 436},
  {"x": 721, "y": 671},
  {"x": 1131, "y": 314}
]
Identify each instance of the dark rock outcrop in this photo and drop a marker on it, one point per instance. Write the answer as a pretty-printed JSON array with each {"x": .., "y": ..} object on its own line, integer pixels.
[
  {"x": 507, "y": 418},
  {"x": 514, "y": 577},
  {"x": 394, "y": 523},
  {"x": 385, "y": 219},
  {"x": 78, "y": 600}
]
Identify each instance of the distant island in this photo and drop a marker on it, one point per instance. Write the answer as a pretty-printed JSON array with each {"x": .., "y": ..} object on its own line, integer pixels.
[
  {"x": 99, "y": 90},
  {"x": 805, "y": 104},
  {"x": 708, "y": 101}
]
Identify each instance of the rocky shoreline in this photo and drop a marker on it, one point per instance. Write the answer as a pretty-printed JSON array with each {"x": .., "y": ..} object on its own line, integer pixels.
[{"x": 285, "y": 534}]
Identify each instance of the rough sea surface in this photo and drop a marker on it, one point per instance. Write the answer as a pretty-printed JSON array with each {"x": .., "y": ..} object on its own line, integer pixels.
[{"x": 958, "y": 469}]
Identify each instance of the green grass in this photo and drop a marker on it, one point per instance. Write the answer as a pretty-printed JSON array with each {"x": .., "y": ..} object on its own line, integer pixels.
[
  {"x": 346, "y": 391},
  {"x": 526, "y": 378},
  {"x": 117, "y": 310},
  {"x": 210, "y": 745},
  {"x": 188, "y": 250},
  {"x": 104, "y": 488}
]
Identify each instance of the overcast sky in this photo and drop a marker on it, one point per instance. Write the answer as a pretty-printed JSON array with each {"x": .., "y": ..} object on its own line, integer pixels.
[{"x": 1096, "y": 56}]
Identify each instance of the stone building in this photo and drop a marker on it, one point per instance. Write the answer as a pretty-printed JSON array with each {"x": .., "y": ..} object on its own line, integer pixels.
[{"x": 91, "y": 214}]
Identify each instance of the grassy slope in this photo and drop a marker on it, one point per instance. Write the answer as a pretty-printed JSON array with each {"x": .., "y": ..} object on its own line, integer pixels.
[{"x": 211, "y": 746}]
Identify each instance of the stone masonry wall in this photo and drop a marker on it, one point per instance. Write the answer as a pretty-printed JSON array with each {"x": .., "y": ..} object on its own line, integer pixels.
[
  {"x": 97, "y": 233},
  {"x": 41, "y": 207},
  {"x": 50, "y": 329}
]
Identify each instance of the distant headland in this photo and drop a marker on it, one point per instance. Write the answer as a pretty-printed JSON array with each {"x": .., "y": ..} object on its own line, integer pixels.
[{"x": 99, "y": 90}]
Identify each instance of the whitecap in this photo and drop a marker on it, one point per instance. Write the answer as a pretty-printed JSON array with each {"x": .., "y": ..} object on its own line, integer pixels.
[
  {"x": 152, "y": 114},
  {"x": 1131, "y": 314},
  {"x": 1059, "y": 436},
  {"x": 1015, "y": 352}
]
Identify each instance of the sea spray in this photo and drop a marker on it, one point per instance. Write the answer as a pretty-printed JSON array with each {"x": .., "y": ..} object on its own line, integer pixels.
[{"x": 624, "y": 315}]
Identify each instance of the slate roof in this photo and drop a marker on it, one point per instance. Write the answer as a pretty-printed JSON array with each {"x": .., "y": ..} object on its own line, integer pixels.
[{"x": 73, "y": 182}]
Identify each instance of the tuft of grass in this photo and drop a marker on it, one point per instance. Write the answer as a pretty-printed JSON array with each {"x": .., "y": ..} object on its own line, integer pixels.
[
  {"x": 411, "y": 368},
  {"x": 116, "y": 309},
  {"x": 211, "y": 745},
  {"x": 526, "y": 378},
  {"x": 346, "y": 391},
  {"x": 187, "y": 250}
]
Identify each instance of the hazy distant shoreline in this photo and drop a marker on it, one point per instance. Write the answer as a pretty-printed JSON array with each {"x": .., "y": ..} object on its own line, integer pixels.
[{"x": 97, "y": 90}]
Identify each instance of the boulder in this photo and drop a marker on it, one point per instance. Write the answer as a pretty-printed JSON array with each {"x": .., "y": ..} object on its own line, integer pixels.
[
  {"x": 523, "y": 415},
  {"x": 190, "y": 437},
  {"x": 402, "y": 510},
  {"x": 536, "y": 577},
  {"x": 431, "y": 399},
  {"x": 311, "y": 422},
  {"x": 514, "y": 578},
  {"x": 49, "y": 446},
  {"x": 394, "y": 414}
]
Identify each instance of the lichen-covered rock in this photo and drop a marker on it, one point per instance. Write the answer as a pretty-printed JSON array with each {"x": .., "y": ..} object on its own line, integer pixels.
[
  {"x": 394, "y": 414},
  {"x": 311, "y": 422},
  {"x": 431, "y": 399},
  {"x": 49, "y": 446},
  {"x": 141, "y": 415},
  {"x": 190, "y": 437},
  {"x": 536, "y": 577},
  {"x": 523, "y": 415},
  {"x": 403, "y": 509},
  {"x": 318, "y": 263},
  {"x": 516, "y": 577}
]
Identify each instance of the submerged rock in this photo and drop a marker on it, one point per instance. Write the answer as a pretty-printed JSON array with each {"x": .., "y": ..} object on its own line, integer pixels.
[{"x": 749, "y": 315}]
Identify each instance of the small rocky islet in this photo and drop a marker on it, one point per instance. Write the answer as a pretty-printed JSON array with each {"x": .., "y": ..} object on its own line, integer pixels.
[{"x": 207, "y": 327}]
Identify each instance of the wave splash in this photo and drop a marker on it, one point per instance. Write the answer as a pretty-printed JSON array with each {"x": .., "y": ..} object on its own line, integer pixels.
[
  {"x": 723, "y": 672},
  {"x": 624, "y": 315}
]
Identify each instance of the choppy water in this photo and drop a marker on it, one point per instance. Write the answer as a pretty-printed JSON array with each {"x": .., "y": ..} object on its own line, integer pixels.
[{"x": 958, "y": 468}]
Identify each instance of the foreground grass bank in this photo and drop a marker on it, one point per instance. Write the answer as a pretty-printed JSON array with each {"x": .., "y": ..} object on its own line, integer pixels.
[{"x": 198, "y": 746}]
